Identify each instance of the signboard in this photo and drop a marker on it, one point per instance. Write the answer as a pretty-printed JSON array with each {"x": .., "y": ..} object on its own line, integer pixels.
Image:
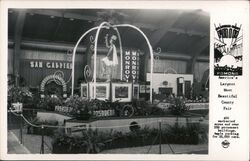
[
  {"x": 131, "y": 65},
  {"x": 197, "y": 106},
  {"x": 104, "y": 113},
  {"x": 76, "y": 130},
  {"x": 50, "y": 64},
  {"x": 63, "y": 109},
  {"x": 17, "y": 107},
  {"x": 163, "y": 105}
]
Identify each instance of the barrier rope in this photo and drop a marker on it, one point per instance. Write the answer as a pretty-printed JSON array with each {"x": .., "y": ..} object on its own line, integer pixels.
[
  {"x": 166, "y": 122},
  {"x": 195, "y": 114},
  {"x": 100, "y": 127}
]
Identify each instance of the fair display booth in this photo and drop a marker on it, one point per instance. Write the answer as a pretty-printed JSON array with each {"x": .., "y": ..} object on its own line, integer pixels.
[
  {"x": 117, "y": 98},
  {"x": 121, "y": 91}
]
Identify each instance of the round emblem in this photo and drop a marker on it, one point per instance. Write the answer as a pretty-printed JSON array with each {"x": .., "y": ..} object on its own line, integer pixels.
[{"x": 225, "y": 144}]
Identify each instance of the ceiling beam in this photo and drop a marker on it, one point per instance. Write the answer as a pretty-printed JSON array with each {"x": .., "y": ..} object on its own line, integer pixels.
[
  {"x": 198, "y": 47},
  {"x": 61, "y": 13},
  {"x": 195, "y": 50},
  {"x": 163, "y": 29},
  {"x": 82, "y": 48},
  {"x": 188, "y": 32},
  {"x": 166, "y": 27}
]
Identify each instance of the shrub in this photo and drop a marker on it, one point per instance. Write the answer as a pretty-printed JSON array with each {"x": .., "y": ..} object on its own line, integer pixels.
[
  {"x": 49, "y": 103},
  {"x": 80, "y": 107},
  {"x": 190, "y": 134},
  {"x": 178, "y": 106},
  {"x": 91, "y": 141}
]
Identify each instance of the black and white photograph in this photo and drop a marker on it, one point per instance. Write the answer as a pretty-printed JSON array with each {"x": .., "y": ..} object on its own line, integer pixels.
[
  {"x": 116, "y": 80},
  {"x": 107, "y": 51}
]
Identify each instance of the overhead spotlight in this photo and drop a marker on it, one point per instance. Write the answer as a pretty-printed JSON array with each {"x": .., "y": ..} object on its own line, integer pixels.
[
  {"x": 31, "y": 14},
  {"x": 71, "y": 19},
  {"x": 10, "y": 11},
  {"x": 89, "y": 21},
  {"x": 52, "y": 16}
]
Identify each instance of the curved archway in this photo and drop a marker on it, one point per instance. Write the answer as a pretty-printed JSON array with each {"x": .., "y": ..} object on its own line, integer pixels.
[
  {"x": 54, "y": 78},
  {"x": 169, "y": 70},
  {"x": 107, "y": 25}
]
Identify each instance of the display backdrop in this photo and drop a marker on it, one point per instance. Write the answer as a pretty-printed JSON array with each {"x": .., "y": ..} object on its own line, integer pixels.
[{"x": 36, "y": 65}]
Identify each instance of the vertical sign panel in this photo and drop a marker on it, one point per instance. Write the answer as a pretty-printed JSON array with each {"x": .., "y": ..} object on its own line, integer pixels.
[{"x": 131, "y": 65}]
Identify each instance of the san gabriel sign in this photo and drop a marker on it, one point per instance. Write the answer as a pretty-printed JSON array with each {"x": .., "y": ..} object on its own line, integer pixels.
[{"x": 50, "y": 64}]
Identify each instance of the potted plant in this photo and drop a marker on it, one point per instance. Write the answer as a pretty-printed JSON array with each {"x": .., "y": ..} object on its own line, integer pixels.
[{"x": 19, "y": 94}]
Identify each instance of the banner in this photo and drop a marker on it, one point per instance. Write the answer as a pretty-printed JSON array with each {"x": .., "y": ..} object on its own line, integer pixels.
[{"x": 131, "y": 65}]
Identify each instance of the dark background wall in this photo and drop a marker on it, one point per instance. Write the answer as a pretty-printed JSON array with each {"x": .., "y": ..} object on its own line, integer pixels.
[{"x": 34, "y": 76}]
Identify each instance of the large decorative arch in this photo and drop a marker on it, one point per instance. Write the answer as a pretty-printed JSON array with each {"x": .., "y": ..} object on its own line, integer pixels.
[
  {"x": 55, "y": 78},
  {"x": 107, "y": 26}
]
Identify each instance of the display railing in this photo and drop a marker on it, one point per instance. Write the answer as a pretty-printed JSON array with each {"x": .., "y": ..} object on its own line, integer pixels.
[{"x": 162, "y": 137}]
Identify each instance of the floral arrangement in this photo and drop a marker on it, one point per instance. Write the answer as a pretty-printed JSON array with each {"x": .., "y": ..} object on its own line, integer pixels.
[
  {"x": 19, "y": 94},
  {"x": 49, "y": 103},
  {"x": 178, "y": 106},
  {"x": 80, "y": 108}
]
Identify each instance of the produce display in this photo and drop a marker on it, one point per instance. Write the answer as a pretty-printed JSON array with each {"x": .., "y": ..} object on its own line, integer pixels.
[{"x": 83, "y": 108}]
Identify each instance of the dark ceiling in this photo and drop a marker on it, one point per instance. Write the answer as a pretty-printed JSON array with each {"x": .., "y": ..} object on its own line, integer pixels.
[{"x": 174, "y": 31}]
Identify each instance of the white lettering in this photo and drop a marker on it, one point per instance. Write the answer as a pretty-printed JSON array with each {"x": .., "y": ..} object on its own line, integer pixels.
[
  {"x": 133, "y": 67},
  {"x": 48, "y": 65},
  {"x": 134, "y": 72},
  {"x": 32, "y": 64},
  {"x": 40, "y": 64},
  {"x": 133, "y": 76},
  {"x": 126, "y": 76},
  {"x": 57, "y": 66},
  {"x": 127, "y": 52},
  {"x": 68, "y": 67},
  {"x": 127, "y": 57},
  {"x": 52, "y": 65},
  {"x": 134, "y": 53},
  {"x": 127, "y": 62},
  {"x": 127, "y": 72},
  {"x": 36, "y": 64}
]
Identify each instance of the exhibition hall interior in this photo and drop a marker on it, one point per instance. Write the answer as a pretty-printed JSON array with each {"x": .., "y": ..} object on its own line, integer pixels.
[{"x": 126, "y": 81}]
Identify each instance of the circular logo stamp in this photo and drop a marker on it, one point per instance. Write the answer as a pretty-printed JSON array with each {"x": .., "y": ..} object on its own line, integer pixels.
[{"x": 225, "y": 144}]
